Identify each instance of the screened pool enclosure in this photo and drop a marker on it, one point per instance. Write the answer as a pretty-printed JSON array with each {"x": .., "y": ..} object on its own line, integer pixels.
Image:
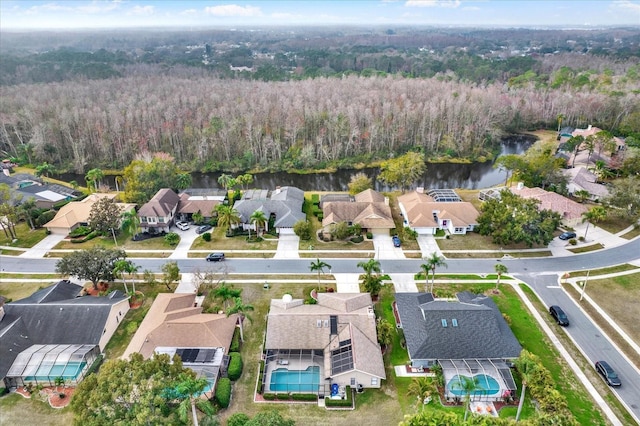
[{"x": 46, "y": 364}]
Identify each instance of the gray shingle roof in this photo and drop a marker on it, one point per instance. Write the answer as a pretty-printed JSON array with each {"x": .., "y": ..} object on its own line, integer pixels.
[
  {"x": 285, "y": 203},
  {"x": 481, "y": 331},
  {"x": 46, "y": 317}
]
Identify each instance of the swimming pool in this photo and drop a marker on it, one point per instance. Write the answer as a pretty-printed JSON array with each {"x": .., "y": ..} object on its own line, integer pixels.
[
  {"x": 70, "y": 370},
  {"x": 283, "y": 380},
  {"x": 487, "y": 384}
]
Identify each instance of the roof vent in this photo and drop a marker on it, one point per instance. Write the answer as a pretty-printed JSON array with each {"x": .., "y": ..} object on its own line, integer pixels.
[{"x": 287, "y": 298}]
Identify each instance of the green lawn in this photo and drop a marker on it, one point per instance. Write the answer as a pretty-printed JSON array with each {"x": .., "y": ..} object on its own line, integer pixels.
[
  {"x": 17, "y": 410},
  {"x": 27, "y": 237},
  {"x": 17, "y": 291}
]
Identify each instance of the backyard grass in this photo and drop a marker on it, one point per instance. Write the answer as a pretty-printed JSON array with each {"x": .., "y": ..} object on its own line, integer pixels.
[
  {"x": 27, "y": 237},
  {"x": 584, "y": 364},
  {"x": 17, "y": 410}
]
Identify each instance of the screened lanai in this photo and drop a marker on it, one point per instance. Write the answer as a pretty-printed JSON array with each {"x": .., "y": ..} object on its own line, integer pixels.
[
  {"x": 492, "y": 377},
  {"x": 43, "y": 364},
  {"x": 294, "y": 370}
]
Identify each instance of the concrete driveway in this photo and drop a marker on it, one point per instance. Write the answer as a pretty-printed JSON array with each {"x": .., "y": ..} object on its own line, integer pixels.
[
  {"x": 186, "y": 240},
  {"x": 347, "y": 283},
  {"x": 384, "y": 248},
  {"x": 46, "y": 244},
  {"x": 287, "y": 247},
  {"x": 404, "y": 283}
]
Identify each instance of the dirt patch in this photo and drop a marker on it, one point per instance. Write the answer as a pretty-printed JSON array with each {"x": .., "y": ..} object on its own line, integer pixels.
[
  {"x": 58, "y": 397},
  {"x": 90, "y": 290}
]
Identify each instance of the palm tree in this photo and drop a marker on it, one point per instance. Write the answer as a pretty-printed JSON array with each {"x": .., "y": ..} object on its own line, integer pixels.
[
  {"x": 371, "y": 283},
  {"x": 500, "y": 269},
  {"x": 226, "y": 181},
  {"x": 240, "y": 308},
  {"x": 468, "y": 386},
  {"x": 26, "y": 209},
  {"x": 130, "y": 222},
  {"x": 370, "y": 266},
  {"x": 183, "y": 181},
  {"x": 421, "y": 387},
  {"x": 227, "y": 216},
  {"x": 385, "y": 331},
  {"x": 45, "y": 169},
  {"x": 226, "y": 293},
  {"x": 582, "y": 194},
  {"x": 94, "y": 176},
  {"x": 526, "y": 365},
  {"x": 560, "y": 118},
  {"x": 189, "y": 390},
  {"x": 319, "y": 266},
  {"x": 426, "y": 269},
  {"x": 590, "y": 144},
  {"x": 593, "y": 215},
  {"x": 258, "y": 219},
  {"x": 433, "y": 262},
  {"x": 120, "y": 267}
]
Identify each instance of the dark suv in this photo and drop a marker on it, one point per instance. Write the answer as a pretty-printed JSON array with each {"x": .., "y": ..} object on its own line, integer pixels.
[
  {"x": 215, "y": 257},
  {"x": 567, "y": 235},
  {"x": 607, "y": 373},
  {"x": 558, "y": 314}
]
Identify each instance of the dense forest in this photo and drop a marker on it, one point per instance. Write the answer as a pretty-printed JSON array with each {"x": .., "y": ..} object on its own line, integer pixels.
[{"x": 241, "y": 100}]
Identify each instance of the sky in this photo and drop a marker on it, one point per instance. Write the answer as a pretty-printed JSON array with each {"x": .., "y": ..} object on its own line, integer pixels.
[{"x": 93, "y": 14}]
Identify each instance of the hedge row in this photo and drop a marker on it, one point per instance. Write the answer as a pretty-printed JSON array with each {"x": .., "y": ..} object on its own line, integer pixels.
[
  {"x": 235, "y": 341},
  {"x": 87, "y": 237},
  {"x": 289, "y": 397},
  {"x": 223, "y": 392},
  {"x": 347, "y": 402},
  {"x": 235, "y": 366}
]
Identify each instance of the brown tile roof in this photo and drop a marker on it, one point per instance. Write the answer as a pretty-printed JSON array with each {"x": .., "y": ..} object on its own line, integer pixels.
[
  {"x": 568, "y": 209},
  {"x": 189, "y": 205},
  {"x": 79, "y": 211},
  {"x": 173, "y": 321},
  {"x": 369, "y": 210},
  {"x": 461, "y": 213}
]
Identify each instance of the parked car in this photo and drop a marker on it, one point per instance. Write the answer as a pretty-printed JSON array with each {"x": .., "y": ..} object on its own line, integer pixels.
[
  {"x": 567, "y": 235},
  {"x": 558, "y": 314},
  {"x": 607, "y": 373},
  {"x": 396, "y": 241},
  {"x": 202, "y": 229},
  {"x": 182, "y": 225},
  {"x": 215, "y": 257}
]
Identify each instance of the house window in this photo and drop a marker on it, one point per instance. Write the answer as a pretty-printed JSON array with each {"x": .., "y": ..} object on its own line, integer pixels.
[
  {"x": 454, "y": 322},
  {"x": 161, "y": 220},
  {"x": 143, "y": 219},
  {"x": 353, "y": 381},
  {"x": 374, "y": 381},
  {"x": 459, "y": 230},
  {"x": 444, "y": 322},
  {"x": 319, "y": 323},
  {"x": 326, "y": 323}
]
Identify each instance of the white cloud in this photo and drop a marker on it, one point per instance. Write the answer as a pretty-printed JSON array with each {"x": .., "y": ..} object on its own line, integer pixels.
[
  {"x": 142, "y": 10},
  {"x": 626, "y": 4},
  {"x": 433, "y": 3},
  {"x": 233, "y": 10},
  {"x": 189, "y": 12},
  {"x": 98, "y": 7}
]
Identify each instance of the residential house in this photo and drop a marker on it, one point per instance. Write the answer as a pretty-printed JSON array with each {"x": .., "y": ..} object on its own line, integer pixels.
[
  {"x": 369, "y": 209},
  {"x": 174, "y": 325},
  {"x": 333, "y": 341},
  {"x": 425, "y": 215},
  {"x": 56, "y": 332},
  {"x": 569, "y": 210},
  {"x": 282, "y": 207},
  {"x": 200, "y": 200},
  {"x": 24, "y": 186},
  {"x": 157, "y": 215},
  {"x": 581, "y": 179},
  {"x": 76, "y": 213},
  {"x": 467, "y": 336}
]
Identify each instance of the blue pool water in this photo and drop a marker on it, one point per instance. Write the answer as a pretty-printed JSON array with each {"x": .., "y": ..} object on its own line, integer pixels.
[
  {"x": 49, "y": 372},
  {"x": 283, "y": 380},
  {"x": 488, "y": 385}
]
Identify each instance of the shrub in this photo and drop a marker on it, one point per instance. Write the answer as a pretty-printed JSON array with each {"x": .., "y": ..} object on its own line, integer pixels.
[
  {"x": 238, "y": 419},
  {"x": 90, "y": 236},
  {"x": 172, "y": 238},
  {"x": 235, "y": 342},
  {"x": 283, "y": 396},
  {"x": 369, "y": 236},
  {"x": 302, "y": 229},
  {"x": 573, "y": 241},
  {"x": 223, "y": 392},
  {"x": 357, "y": 239},
  {"x": 45, "y": 217},
  {"x": 320, "y": 216},
  {"x": 235, "y": 366},
  {"x": 315, "y": 199},
  {"x": 304, "y": 397},
  {"x": 206, "y": 236},
  {"x": 269, "y": 396},
  {"x": 80, "y": 231},
  {"x": 96, "y": 364},
  {"x": 347, "y": 402}
]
